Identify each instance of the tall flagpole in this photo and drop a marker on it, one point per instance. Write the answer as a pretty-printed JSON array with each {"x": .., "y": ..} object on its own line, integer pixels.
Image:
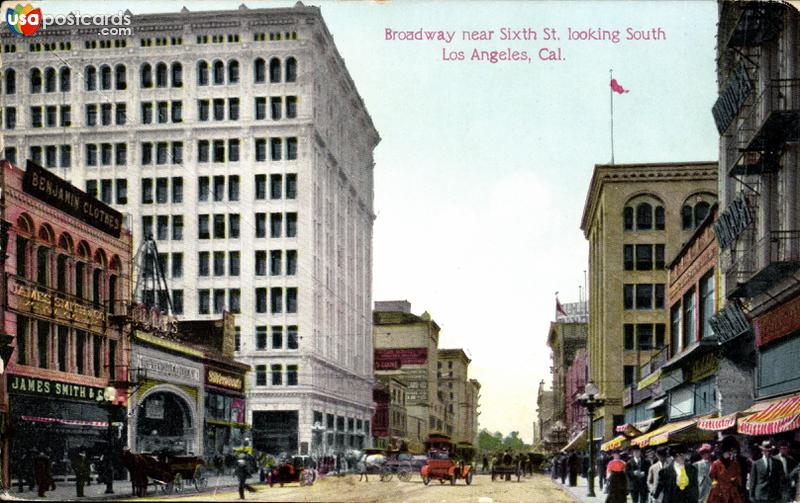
[{"x": 611, "y": 96}]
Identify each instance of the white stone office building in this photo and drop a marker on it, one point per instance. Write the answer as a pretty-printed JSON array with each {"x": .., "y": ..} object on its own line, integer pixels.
[{"x": 239, "y": 141}]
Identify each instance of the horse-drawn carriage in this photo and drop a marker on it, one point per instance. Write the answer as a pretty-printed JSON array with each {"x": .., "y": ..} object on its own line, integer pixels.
[
  {"x": 506, "y": 466},
  {"x": 168, "y": 473},
  {"x": 399, "y": 463},
  {"x": 447, "y": 461}
]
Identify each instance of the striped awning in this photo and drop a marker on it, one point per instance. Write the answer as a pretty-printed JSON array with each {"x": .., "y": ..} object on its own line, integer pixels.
[
  {"x": 662, "y": 437},
  {"x": 777, "y": 418},
  {"x": 627, "y": 430},
  {"x": 578, "y": 442},
  {"x": 616, "y": 443},
  {"x": 719, "y": 423}
]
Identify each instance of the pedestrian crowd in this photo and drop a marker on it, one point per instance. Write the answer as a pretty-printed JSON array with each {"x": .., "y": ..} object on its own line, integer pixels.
[{"x": 718, "y": 473}]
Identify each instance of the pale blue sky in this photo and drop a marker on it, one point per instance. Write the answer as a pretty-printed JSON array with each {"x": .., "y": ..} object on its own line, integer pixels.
[{"x": 482, "y": 172}]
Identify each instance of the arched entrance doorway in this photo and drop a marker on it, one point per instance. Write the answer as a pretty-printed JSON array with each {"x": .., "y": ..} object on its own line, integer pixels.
[{"x": 164, "y": 422}]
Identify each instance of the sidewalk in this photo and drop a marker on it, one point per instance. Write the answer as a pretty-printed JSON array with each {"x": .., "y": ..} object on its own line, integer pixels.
[
  {"x": 578, "y": 492},
  {"x": 122, "y": 489}
]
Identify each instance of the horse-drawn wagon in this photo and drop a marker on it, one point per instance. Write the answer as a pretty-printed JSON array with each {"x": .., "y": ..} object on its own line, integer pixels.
[{"x": 167, "y": 472}]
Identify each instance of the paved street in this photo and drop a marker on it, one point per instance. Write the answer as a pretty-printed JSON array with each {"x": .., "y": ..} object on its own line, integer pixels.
[{"x": 348, "y": 489}]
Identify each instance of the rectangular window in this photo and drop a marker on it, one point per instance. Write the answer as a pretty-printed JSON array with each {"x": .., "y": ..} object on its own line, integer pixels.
[
  {"x": 291, "y": 186},
  {"x": 147, "y": 153},
  {"x": 291, "y": 375},
  {"x": 177, "y": 111},
  {"x": 261, "y": 375},
  {"x": 261, "y": 186},
  {"x": 660, "y": 256},
  {"x": 276, "y": 371},
  {"x": 644, "y": 334},
  {"x": 106, "y": 150},
  {"x": 147, "y": 113},
  {"x": 276, "y": 300},
  {"x": 121, "y": 154},
  {"x": 261, "y": 337},
  {"x": 219, "y": 109},
  {"x": 36, "y": 155},
  {"x": 203, "y": 263},
  {"x": 660, "y": 328},
  {"x": 177, "y": 189},
  {"x": 147, "y": 191},
  {"x": 91, "y": 154},
  {"x": 261, "y": 225},
  {"x": 291, "y": 337},
  {"x": 162, "y": 227},
  {"x": 233, "y": 226},
  {"x": 66, "y": 156},
  {"x": 147, "y": 227},
  {"x": 163, "y": 112},
  {"x": 202, "y": 227},
  {"x": 275, "y": 107},
  {"x": 97, "y": 353},
  {"x": 161, "y": 190},
  {"x": 42, "y": 341},
  {"x": 91, "y": 115},
  {"x": 11, "y": 118},
  {"x": 277, "y": 337},
  {"x": 219, "y": 226},
  {"x": 22, "y": 339},
  {"x": 233, "y": 188},
  {"x": 203, "y": 188},
  {"x": 644, "y": 296},
  {"x": 50, "y": 156},
  {"x": 261, "y": 262},
  {"x": 707, "y": 304},
  {"x": 261, "y": 149},
  {"x": 275, "y": 186},
  {"x": 275, "y": 147},
  {"x": 291, "y": 107},
  {"x": 261, "y": 300},
  {"x": 291, "y": 262},
  {"x": 105, "y": 114},
  {"x": 233, "y": 263},
  {"x": 122, "y": 190},
  {"x": 162, "y": 148},
  {"x": 275, "y": 224},
  {"x": 675, "y": 329},
  {"x": 630, "y": 341},
  {"x": 261, "y": 108},
  {"x": 177, "y": 301},
  {"x": 291, "y": 225},
  {"x": 233, "y": 109},
  {"x": 80, "y": 351},
  {"x": 689, "y": 334},
  {"x": 275, "y": 260},
  {"x": 204, "y": 301},
  {"x": 219, "y": 263},
  {"x": 219, "y": 188},
  {"x": 121, "y": 115},
  {"x": 659, "y": 296},
  {"x": 202, "y": 110},
  {"x": 51, "y": 115},
  {"x": 202, "y": 151},
  {"x": 219, "y": 301},
  {"x": 628, "y": 296},
  {"x": 233, "y": 150},
  {"x": 219, "y": 150},
  {"x": 177, "y": 227},
  {"x": 644, "y": 257},
  {"x": 629, "y": 375},
  {"x": 291, "y": 300},
  {"x": 291, "y": 149},
  {"x": 177, "y": 152},
  {"x": 177, "y": 265}
]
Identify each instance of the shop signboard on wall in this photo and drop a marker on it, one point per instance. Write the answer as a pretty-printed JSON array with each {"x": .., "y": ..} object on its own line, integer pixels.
[
  {"x": 154, "y": 408},
  {"x": 54, "y": 389},
  {"x": 704, "y": 367},
  {"x": 24, "y": 297},
  {"x": 237, "y": 410},
  {"x": 166, "y": 370},
  {"x": 777, "y": 323},
  {"x": 225, "y": 380},
  {"x": 395, "y": 358},
  {"x": 61, "y": 194}
]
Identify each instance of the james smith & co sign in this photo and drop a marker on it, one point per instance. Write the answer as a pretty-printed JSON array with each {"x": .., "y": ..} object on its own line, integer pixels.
[
  {"x": 54, "y": 389},
  {"x": 61, "y": 194}
]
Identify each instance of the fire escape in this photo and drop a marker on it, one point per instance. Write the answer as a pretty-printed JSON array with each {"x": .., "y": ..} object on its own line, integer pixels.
[
  {"x": 764, "y": 117},
  {"x": 151, "y": 288}
]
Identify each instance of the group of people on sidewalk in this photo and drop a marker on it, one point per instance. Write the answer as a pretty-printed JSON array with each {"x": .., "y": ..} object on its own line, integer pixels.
[{"x": 709, "y": 474}]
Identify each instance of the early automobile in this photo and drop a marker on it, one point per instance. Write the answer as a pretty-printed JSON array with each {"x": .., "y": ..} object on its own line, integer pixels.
[{"x": 447, "y": 461}]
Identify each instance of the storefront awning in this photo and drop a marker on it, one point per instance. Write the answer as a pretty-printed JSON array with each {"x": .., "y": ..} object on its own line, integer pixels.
[
  {"x": 628, "y": 430},
  {"x": 649, "y": 380},
  {"x": 777, "y": 418},
  {"x": 666, "y": 433},
  {"x": 578, "y": 442},
  {"x": 619, "y": 442},
  {"x": 68, "y": 422},
  {"x": 644, "y": 426},
  {"x": 656, "y": 404},
  {"x": 683, "y": 431},
  {"x": 719, "y": 423}
]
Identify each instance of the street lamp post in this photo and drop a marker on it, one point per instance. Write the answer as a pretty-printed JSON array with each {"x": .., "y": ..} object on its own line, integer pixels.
[
  {"x": 590, "y": 402},
  {"x": 108, "y": 465}
]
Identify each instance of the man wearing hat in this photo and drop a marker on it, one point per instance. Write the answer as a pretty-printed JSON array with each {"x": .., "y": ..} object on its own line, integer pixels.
[
  {"x": 242, "y": 474},
  {"x": 785, "y": 458},
  {"x": 677, "y": 483},
  {"x": 766, "y": 477},
  {"x": 636, "y": 469},
  {"x": 703, "y": 470}
]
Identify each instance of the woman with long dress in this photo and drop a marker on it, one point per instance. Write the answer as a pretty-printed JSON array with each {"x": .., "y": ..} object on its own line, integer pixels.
[{"x": 726, "y": 475}]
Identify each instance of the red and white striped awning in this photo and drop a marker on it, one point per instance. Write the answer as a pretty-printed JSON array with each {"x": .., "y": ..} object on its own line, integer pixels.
[
  {"x": 69, "y": 422},
  {"x": 777, "y": 418},
  {"x": 719, "y": 423}
]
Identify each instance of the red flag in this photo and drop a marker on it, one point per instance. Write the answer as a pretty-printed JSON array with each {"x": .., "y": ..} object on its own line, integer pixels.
[
  {"x": 560, "y": 309},
  {"x": 617, "y": 88}
]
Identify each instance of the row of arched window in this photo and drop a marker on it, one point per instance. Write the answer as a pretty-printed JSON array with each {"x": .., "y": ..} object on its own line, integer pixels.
[
  {"x": 10, "y": 81},
  {"x": 69, "y": 269},
  {"x": 289, "y": 70},
  {"x": 646, "y": 212},
  {"x": 48, "y": 81},
  {"x": 102, "y": 79},
  {"x": 164, "y": 76}
]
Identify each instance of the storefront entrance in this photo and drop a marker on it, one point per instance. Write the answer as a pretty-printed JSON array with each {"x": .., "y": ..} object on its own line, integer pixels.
[{"x": 164, "y": 423}]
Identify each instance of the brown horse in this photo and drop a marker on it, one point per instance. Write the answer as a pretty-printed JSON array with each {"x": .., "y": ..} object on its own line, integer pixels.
[{"x": 141, "y": 467}]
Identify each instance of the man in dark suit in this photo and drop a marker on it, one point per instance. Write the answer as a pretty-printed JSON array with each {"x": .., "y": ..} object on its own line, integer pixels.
[
  {"x": 766, "y": 477},
  {"x": 636, "y": 469},
  {"x": 677, "y": 483},
  {"x": 785, "y": 458}
]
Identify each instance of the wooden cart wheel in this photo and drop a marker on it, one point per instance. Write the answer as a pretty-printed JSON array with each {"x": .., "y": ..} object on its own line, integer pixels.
[{"x": 426, "y": 480}]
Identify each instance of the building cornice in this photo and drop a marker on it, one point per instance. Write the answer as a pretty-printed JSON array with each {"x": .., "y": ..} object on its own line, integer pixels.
[{"x": 662, "y": 172}]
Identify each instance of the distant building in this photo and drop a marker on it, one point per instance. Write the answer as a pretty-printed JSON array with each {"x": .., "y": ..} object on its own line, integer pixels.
[
  {"x": 566, "y": 337},
  {"x": 577, "y": 377},
  {"x": 635, "y": 216},
  {"x": 458, "y": 393},
  {"x": 544, "y": 415},
  {"x": 389, "y": 420}
]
